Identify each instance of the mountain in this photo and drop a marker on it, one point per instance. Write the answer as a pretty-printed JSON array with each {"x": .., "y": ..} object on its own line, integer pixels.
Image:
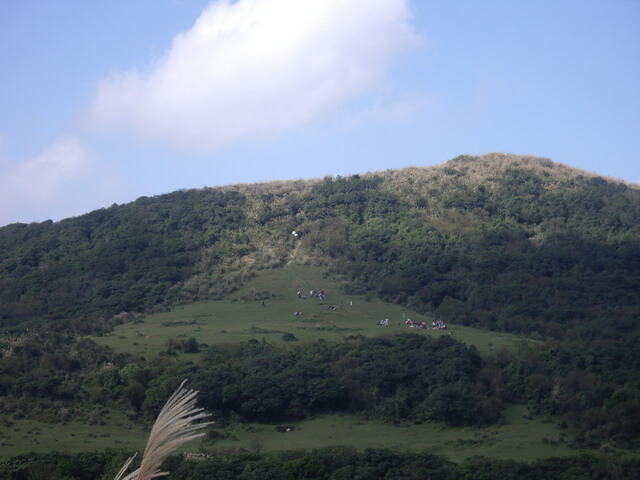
[
  {"x": 500, "y": 242},
  {"x": 504, "y": 242}
]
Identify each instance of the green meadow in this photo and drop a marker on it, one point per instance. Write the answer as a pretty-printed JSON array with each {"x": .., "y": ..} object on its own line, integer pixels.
[
  {"x": 25, "y": 435},
  {"x": 243, "y": 317},
  {"x": 518, "y": 436}
]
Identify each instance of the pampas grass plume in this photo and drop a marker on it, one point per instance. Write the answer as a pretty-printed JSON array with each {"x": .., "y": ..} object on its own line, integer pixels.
[{"x": 173, "y": 427}]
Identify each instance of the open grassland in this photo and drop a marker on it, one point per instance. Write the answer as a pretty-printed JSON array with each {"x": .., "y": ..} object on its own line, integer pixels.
[
  {"x": 243, "y": 317},
  {"x": 519, "y": 437},
  {"x": 22, "y": 436}
]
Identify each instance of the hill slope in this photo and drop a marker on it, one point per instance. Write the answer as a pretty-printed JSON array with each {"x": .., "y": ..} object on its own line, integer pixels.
[
  {"x": 512, "y": 243},
  {"x": 502, "y": 242}
]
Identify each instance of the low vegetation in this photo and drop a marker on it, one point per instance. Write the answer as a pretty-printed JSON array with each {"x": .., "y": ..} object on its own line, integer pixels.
[{"x": 323, "y": 464}]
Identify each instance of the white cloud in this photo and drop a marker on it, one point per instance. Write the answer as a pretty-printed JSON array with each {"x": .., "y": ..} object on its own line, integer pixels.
[
  {"x": 256, "y": 67},
  {"x": 38, "y": 177},
  {"x": 61, "y": 178}
]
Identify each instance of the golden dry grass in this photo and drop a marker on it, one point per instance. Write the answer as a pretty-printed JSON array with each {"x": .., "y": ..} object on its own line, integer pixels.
[{"x": 174, "y": 427}]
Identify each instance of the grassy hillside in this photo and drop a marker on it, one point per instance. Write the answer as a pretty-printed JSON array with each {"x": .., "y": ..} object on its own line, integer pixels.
[
  {"x": 534, "y": 267},
  {"x": 242, "y": 317},
  {"x": 508, "y": 243}
]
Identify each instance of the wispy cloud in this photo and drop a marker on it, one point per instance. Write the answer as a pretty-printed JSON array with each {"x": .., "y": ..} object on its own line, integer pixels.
[
  {"x": 63, "y": 159},
  {"x": 57, "y": 179},
  {"x": 255, "y": 68}
]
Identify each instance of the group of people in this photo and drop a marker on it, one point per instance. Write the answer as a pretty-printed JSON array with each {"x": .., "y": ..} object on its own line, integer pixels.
[
  {"x": 436, "y": 324},
  {"x": 319, "y": 294},
  {"x": 313, "y": 294}
]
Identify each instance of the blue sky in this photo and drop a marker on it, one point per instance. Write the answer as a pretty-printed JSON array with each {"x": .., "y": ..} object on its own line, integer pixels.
[{"x": 105, "y": 101}]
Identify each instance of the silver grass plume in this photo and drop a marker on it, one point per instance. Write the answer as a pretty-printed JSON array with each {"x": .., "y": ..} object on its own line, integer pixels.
[{"x": 173, "y": 427}]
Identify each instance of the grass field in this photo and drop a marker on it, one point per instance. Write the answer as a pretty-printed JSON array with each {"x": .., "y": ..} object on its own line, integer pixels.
[
  {"x": 517, "y": 437},
  {"x": 243, "y": 317},
  {"x": 23, "y": 436}
]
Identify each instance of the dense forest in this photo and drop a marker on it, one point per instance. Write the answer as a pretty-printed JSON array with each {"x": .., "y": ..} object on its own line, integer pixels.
[{"x": 499, "y": 242}]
